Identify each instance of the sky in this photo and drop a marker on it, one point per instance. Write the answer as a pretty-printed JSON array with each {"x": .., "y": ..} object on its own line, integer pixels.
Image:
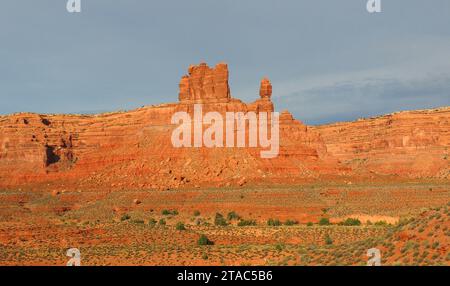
[{"x": 327, "y": 60}]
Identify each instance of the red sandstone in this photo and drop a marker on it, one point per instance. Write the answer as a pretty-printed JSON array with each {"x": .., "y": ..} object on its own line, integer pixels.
[{"x": 132, "y": 149}]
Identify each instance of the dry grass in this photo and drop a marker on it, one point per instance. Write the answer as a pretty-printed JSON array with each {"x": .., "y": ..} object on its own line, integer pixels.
[{"x": 37, "y": 228}]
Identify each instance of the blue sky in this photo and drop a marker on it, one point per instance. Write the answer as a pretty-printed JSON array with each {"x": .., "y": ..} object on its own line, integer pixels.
[{"x": 328, "y": 60}]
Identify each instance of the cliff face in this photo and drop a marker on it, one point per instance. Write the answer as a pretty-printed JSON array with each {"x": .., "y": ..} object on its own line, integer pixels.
[
  {"x": 409, "y": 144},
  {"x": 134, "y": 150}
]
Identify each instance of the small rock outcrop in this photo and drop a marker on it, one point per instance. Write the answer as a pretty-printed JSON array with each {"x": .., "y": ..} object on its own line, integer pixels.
[{"x": 265, "y": 90}]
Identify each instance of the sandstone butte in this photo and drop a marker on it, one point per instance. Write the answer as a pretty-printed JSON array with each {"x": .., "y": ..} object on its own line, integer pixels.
[{"x": 132, "y": 150}]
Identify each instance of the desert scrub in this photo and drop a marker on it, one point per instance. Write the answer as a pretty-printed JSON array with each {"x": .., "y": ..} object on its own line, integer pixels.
[
  {"x": 196, "y": 213},
  {"x": 198, "y": 221},
  {"x": 233, "y": 215},
  {"x": 219, "y": 220},
  {"x": 152, "y": 222},
  {"x": 280, "y": 246},
  {"x": 324, "y": 221},
  {"x": 381, "y": 223},
  {"x": 138, "y": 221},
  {"x": 180, "y": 226},
  {"x": 305, "y": 259},
  {"x": 290, "y": 222},
  {"x": 273, "y": 222},
  {"x": 435, "y": 245},
  {"x": 351, "y": 222},
  {"x": 203, "y": 240},
  {"x": 169, "y": 212},
  {"x": 328, "y": 240},
  {"x": 162, "y": 222},
  {"x": 247, "y": 222},
  {"x": 125, "y": 217}
]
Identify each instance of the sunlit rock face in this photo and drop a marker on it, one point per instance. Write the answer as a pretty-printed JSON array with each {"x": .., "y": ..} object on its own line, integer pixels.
[{"x": 133, "y": 150}]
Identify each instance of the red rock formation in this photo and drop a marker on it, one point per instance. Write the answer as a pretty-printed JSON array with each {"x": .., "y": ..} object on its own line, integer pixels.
[
  {"x": 265, "y": 90},
  {"x": 205, "y": 84},
  {"x": 124, "y": 150},
  {"x": 410, "y": 144},
  {"x": 133, "y": 149}
]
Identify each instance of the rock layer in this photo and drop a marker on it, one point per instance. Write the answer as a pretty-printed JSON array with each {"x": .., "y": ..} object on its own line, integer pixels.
[
  {"x": 133, "y": 149},
  {"x": 205, "y": 84},
  {"x": 412, "y": 144},
  {"x": 124, "y": 150}
]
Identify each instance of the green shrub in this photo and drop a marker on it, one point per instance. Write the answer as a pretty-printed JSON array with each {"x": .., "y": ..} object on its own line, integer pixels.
[
  {"x": 328, "y": 240},
  {"x": 351, "y": 222},
  {"x": 324, "y": 221},
  {"x": 196, "y": 213},
  {"x": 273, "y": 222},
  {"x": 169, "y": 212},
  {"x": 203, "y": 240},
  {"x": 246, "y": 222},
  {"x": 309, "y": 224},
  {"x": 162, "y": 222},
  {"x": 220, "y": 220},
  {"x": 125, "y": 217},
  {"x": 290, "y": 222},
  {"x": 233, "y": 215},
  {"x": 180, "y": 226},
  {"x": 152, "y": 222},
  {"x": 381, "y": 223}
]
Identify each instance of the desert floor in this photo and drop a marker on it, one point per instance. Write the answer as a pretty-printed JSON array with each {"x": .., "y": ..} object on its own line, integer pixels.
[{"x": 408, "y": 221}]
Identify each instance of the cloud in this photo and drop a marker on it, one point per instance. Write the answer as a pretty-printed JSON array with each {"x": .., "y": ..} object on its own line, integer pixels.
[{"x": 420, "y": 80}]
